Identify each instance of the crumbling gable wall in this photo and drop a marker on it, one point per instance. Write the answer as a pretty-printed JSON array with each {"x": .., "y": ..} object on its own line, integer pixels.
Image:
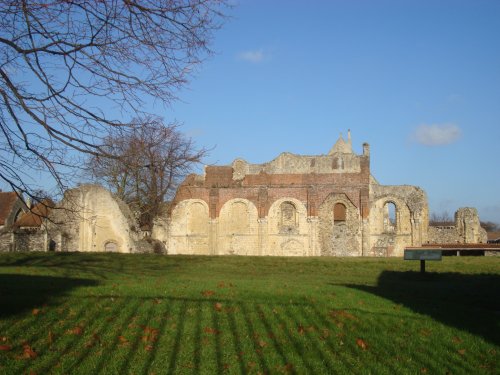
[{"x": 89, "y": 218}]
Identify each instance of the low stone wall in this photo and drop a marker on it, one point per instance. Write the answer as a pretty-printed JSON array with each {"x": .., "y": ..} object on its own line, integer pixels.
[
  {"x": 30, "y": 240},
  {"x": 440, "y": 235},
  {"x": 5, "y": 241}
]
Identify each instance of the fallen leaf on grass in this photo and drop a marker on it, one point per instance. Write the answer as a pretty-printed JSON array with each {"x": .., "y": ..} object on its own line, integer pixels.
[
  {"x": 425, "y": 332},
  {"x": 461, "y": 351},
  {"x": 207, "y": 293},
  {"x": 325, "y": 334},
  {"x": 301, "y": 330},
  {"x": 362, "y": 344},
  {"x": 423, "y": 370},
  {"x": 50, "y": 337},
  {"x": 151, "y": 334},
  {"x": 28, "y": 352},
  {"x": 262, "y": 343},
  {"x": 149, "y": 348},
  {"x": 35, "y": 312},
  {"x": 286, "y": 369},
  {"x": 342, "y": 314},
  {"x": 123, "y": 340},
  {"x": 5, "y": 348},
  {"x": 75, "y": 331},
  {"x": 218, "y": 306},
  {"x": 211, "y": 331},
  {"x": 457, "y": 340}
]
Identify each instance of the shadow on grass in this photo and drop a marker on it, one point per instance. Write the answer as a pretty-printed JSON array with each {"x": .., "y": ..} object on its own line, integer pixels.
[
  {"x": 100, "y": 265},
  {"x": 467, "y": 302},
  {"x": 24, "y": 292}
]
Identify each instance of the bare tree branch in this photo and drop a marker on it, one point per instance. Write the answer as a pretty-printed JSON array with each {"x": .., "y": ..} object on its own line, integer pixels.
[{"x": 72, "y": 70}]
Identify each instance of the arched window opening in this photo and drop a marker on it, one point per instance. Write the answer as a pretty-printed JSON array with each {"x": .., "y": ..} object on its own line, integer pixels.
[
  {"x": 390, "y": 217},
  {"x": 339, "y": 214},
  {"x": 288, "y": 220},
  {"x": 111, "y": 247},
  {"x": 338, "y": 163}
]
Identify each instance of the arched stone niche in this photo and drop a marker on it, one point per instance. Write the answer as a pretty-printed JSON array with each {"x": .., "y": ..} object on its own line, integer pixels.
[
  {"x": 238, "y": 228},
  {"x": 288, "y": 228},
  {"x": 341, "y": 238}
]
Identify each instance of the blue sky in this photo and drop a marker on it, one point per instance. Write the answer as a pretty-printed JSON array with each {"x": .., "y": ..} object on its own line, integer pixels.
[{"x": 418, "y": 80}]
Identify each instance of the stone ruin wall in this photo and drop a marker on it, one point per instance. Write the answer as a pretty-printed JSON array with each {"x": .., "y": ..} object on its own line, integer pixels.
[
  {"x": 6, "y": 240},
  {"x": 411, "y": 219},
  {"x": 90, "y": 219},
  {"x": 467, "y": 229},
  {"x": 33, "y": 239},
  {"x": 282, "y": 208}
]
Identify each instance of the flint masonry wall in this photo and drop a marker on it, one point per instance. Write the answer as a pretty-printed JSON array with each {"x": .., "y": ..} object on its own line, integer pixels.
[
  {"x": 407, "y": 228},
  {"x": 467, "y": 229}
]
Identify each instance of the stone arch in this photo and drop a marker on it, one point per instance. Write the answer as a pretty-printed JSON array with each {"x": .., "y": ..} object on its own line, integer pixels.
[
  {"x": 275, "y": 216},
  {"x": 288, "y": 216},
  {"x": 190, "y": 227},
  {"x": 238, "y": 228},
  {"x": 111, "y": 246},
  {"x": 339, "y": 213},
  {"x": 281, "y": 232},
  {"x": 380, "y": 220},
  {"x": 389, "y": 238},
  {"x": 390, "y": 217},
  {"x": 339, "y": 240}
]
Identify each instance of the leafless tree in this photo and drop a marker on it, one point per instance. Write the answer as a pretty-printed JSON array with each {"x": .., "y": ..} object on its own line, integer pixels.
[
  {"x": 490, "y": 226},
  {"x": 441, "y": 219},
  {"x": 71, "y": 70},
  {"x": 149, "y": 163}
]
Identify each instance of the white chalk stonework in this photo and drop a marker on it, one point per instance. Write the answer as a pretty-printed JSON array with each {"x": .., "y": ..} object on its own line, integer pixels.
[{"x": 320, "y": 205}]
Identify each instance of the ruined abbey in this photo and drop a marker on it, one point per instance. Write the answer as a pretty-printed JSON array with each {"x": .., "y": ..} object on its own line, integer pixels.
[{"x": 294, "y": 205}]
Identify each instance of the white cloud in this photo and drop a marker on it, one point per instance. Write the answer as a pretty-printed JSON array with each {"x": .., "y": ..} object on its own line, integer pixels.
[
  {"x": 255, "y": 57},
  {"x": 437, "y": 134}
]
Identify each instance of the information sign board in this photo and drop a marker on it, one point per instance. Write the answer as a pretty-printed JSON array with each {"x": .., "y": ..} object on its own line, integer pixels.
[{"x": 430, "y": 254}]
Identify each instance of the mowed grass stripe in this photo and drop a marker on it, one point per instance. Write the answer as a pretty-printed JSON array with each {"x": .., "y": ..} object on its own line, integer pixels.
[{"x": 142, "y": 314}]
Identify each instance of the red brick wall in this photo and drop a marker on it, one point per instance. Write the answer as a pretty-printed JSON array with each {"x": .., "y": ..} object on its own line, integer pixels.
[{"x": 263, "y": 189}]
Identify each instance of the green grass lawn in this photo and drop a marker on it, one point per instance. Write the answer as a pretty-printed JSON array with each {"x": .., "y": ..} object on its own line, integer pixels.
[{"x": 146, "y": 314}]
